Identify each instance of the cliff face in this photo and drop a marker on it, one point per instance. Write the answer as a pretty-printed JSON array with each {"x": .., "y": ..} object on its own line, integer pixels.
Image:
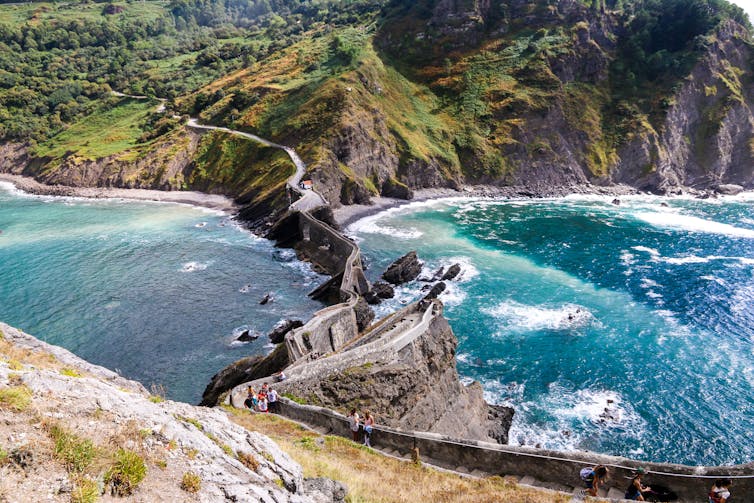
[
  {"x": 706, "y": 136},
  {"x": 48, "y": 394}
]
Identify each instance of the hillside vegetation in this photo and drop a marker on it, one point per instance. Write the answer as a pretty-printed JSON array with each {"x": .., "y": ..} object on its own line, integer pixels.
[{"x": 383, "y": 97}]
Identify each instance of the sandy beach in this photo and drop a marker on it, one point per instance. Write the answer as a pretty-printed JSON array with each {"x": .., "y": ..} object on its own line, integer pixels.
[{"x": 215, "y": 202}]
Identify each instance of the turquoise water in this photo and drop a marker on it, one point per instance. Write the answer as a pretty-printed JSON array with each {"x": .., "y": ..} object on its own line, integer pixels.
[
  {"x": 567, "y": 307},
  {"x": 152, "y": 290}
]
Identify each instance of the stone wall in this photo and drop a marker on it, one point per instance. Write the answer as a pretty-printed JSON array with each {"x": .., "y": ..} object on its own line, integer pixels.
[{"x": 691, "y": 483}]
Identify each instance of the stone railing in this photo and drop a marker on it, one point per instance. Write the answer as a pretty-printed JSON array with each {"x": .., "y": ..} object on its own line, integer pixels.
[{"x": 551, "y": 468}]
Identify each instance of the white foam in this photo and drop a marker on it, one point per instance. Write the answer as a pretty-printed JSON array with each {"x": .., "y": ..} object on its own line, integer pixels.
[
  {"x": 715, "y": 279},
  {"x": 201, "y": 224},
  {"x": 575, "y": 416},
  {"x": 676, "y": 221},
  {"x": 513, "y": 315},
  {"x": 649, "y": 283},
  {"x": 193, "y": 266},
  {"x": 652, "y": 252},
  {"x": 690, "y": 259}
]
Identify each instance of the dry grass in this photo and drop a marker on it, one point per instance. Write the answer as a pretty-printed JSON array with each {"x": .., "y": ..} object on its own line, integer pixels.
[{"x": 372, "y": 477}]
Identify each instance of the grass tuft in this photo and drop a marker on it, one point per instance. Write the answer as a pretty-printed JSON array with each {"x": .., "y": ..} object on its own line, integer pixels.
[
  {"x": 85, "y": 490},
  {"x": 126, "y": 474},
  {"x": 191, "y": 482},
  {"x": 76, "y": 453},
  {"x": 67, "y": 371},
  {"x": 15, "y": 398}
]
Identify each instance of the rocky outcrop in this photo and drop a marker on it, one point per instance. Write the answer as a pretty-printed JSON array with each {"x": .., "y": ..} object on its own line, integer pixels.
[
  {"x": 435, "y": 291},
  {"x": 171, "y": 438},
  {"x": 403, "y": 270},
  {"x": 277, "y": 335},
  {"x": 451, "y": 273},
  {"x": 243, "y": 370},
  {"x": 403, "y": 370}
]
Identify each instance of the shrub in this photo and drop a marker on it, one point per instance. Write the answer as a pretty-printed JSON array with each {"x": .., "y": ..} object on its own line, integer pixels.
[
  {"x": 191, "y": 482},
  {"x": 126, "y": 473},
  {"x": 248, "y": 460},
  {"x": 86, "y": 490},
  {"x": 75, "y": 453},
  {"x": 15, "y": 398}
]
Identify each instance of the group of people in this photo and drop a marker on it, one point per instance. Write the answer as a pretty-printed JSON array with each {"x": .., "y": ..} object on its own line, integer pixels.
[
  {"x": 594, "y": 477},
  {"x": 264, "y": 401},
  {"x": 359, "y": 426}
]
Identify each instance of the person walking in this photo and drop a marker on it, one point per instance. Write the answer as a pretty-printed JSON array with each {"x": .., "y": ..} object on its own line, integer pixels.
[
  {"x": 368, "y": 426},
  {"x": 272, "y": 401},
  {"x": 636, "y": 489},
  {"x": 353, "y": 424},
  {"x": 593, "y": 478},
  {"x": 720, "y": 492},
  {"x": 250, "y": 394}
]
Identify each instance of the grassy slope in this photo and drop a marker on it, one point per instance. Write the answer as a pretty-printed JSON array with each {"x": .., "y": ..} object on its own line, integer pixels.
[
  {"x": 372, "y": 477},
  {"x": 109, "y": 131},
  {"x": 18, "y": 13}
]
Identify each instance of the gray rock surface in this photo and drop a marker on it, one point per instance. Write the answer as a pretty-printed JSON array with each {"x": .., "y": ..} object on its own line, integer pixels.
[{"x": 96, "y": 403}]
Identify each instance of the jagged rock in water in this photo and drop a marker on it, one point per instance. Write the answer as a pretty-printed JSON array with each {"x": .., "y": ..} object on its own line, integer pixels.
[
  {"x": 451, "y": 273},
  {"x": 372, "y": 299},
  {"x": 403, "y": 270},
  {"x": 282, "y": 327},
  {"x": 383, "y": 290},
  {"x": 729, "y": 189},
  {"x": 436, "y": 290},
  {"x": 247, "y": 336},
  {"x": 267, "y": 299},
  {"x": 616, "y": 202}
]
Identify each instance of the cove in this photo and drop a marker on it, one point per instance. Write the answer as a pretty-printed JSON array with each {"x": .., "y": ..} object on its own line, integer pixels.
[
  {"x": 152, "y": 290},
  {"x": 567, "y": 307}
]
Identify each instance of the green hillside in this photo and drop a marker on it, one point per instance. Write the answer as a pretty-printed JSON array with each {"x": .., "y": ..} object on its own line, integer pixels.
[{"x": 382, "y": 97}]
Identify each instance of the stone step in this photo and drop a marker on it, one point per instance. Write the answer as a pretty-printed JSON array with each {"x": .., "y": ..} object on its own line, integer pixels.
[
  {"x": 528, "y": 481},
  {"x": 555, "y": 487},
  {"x": 614, "y": 493}
]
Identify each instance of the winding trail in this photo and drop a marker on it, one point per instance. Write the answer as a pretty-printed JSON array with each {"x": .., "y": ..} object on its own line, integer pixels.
[{"x": 309, "y": 198}]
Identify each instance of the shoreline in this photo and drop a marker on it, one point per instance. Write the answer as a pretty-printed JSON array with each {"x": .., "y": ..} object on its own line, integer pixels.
[
  {"x": 346, "y": 215},
  {"x": 193, "y": 198}
]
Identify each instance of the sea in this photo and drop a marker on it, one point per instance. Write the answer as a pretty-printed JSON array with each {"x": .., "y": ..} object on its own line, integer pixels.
[
  {"x": 158, "y": 292},
  {"x": 625, "y": 329}
]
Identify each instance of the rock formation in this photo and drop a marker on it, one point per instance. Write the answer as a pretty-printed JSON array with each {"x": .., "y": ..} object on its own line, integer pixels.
[
  {"x": 59, "y": 390},
  {"x": 277, "y": 335},
  {"x": 403, "y": 270}
]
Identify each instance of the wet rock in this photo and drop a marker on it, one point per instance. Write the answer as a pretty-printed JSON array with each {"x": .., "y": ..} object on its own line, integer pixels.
[
  {"x": 436, "y": 290},
  {"x": 267, "y": 299},
  {"x": 403, "y": 270},
  {"x": 282, "y": 327},
  {"x": 248, "y": 336},
  {"x": 452, "y": 272},
  {"x": 616, "y": 202},
  {"x": 372, "y": 299},
  {"x": 383, "y": 290}
]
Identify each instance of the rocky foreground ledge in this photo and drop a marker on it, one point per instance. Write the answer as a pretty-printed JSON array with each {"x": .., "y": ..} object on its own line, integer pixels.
[{"x": 69, "y": 429}]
